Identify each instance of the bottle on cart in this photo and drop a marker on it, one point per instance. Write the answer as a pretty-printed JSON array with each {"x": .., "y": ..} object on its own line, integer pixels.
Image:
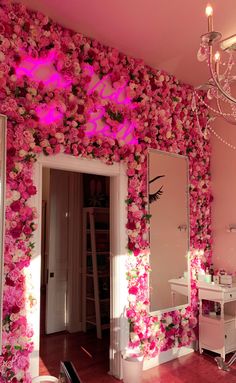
[
  {"x": 211, "y": 271},
  {"x": 207, "y": 276}
]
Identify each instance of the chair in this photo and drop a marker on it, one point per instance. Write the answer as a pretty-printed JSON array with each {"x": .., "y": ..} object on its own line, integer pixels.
[
  {"x": 45, "y": 378},
  {"x": 68, "y": 373}
]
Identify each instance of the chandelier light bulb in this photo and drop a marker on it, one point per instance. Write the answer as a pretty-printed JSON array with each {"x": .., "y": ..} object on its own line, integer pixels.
[
  {"x": 209, "y": 10},
  {"x": 217, "y": 56},
  {"x": 209, "y": 14},
  {"x": 217, "y": 62}
]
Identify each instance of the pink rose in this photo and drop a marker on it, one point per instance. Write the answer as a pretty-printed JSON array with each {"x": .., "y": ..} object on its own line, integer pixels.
[
  {"x": 31, "y": 190},
  {"x": 15, "y": 206},
  {"x": 133, "y": 290}
]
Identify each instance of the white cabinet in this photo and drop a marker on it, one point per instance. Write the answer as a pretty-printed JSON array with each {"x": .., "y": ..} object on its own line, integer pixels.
[{"x": 217, "y": 333}]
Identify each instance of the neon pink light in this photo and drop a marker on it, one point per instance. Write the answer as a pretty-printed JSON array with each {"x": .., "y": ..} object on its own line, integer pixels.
[
  {"x": 125, "y": 131},
  {"x": 89, "y": 68},
  {"x": 94, "y": 121},
  {"x": 102, "y": 86},
  {"x": 106, "y": 91},
  {"x": 42, "y": 70},
  {"x": 48, "y": 114}
]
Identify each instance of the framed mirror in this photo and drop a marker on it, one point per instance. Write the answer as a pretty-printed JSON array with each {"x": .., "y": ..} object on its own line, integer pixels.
[
  {"x": 169, "y": 230},
  {"x": 3, "y": 122}
]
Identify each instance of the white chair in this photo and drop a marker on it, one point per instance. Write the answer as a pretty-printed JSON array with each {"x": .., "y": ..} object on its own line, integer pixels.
[{"x": 44, "y": 378}]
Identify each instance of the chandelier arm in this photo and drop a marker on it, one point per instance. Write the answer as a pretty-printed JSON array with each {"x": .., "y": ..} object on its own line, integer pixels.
[
  {"x": 217, "y": 84},
  {"x": 229, "y": 120},
  {"x": 228, "y": 69}
]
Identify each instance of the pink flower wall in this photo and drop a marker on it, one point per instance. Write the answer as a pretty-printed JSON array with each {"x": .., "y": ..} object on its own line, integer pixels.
[{"x": 59, "y": 112}]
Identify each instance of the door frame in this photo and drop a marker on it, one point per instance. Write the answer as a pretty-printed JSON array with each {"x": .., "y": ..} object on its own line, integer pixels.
[{"x": 119, "y": 329}]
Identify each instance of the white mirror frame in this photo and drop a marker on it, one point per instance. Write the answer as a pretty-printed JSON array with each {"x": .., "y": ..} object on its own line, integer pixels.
[
  {"x": 169, "y": 309},
  {"x": 3, "y": 129}
]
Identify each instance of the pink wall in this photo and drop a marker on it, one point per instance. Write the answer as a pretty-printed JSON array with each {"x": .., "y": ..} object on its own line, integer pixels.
[{"x": 224, "y": 192}]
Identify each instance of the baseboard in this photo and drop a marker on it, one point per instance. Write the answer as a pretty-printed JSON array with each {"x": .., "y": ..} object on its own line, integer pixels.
[{"x": 166, "y": 356}]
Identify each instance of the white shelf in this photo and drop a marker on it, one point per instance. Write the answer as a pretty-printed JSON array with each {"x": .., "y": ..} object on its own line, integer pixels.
[
  {"x": 92, "y": 320},
  {"x": 99, "y": 231},
  {"x": 217, "y": 333},
  {"x": 92, "y": 275},
  {"x": 102, "y": 300},
  {"x": 100, "y": 275},
  {"x": 99, "y": 252},
  {"x": 213, "y": 317}
]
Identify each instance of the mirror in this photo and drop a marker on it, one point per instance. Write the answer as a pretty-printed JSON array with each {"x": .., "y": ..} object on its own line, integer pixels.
[
  {"x": 2, "y": 210},
  {"x": 169, "y": 230}
]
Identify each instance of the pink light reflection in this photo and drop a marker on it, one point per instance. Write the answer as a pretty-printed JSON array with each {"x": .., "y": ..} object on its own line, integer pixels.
[
  {"x": 42, "y": 70},
  {"x": 125, "y": 130},
  {"x": 48, "y": 114},
  {"x": 105, "y": 90}
]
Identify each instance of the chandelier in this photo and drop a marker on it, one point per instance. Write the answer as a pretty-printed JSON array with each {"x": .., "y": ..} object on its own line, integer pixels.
[{"x": 219, "y": 55}]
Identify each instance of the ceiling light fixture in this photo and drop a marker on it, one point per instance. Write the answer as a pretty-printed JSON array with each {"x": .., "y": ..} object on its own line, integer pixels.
[{"x": 219, "y": 55}]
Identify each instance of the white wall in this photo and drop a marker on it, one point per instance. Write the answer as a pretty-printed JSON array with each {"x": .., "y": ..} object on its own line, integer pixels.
[{"x": 223, "y": 169}]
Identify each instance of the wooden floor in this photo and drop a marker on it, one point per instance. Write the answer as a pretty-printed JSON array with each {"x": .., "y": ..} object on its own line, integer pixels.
[{"x": 90, "y": 357}]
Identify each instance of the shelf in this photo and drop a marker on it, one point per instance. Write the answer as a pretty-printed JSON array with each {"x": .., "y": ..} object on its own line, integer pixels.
[
  {"x": 102, "y": 300},
  {"x": 99, "y": 231},
  {"x": 96, "y": 268},
  {"x": 213, "y": 317},
  {"x": 217, "y": 333},
  {"x": 99, "y": 252},
  {"x": 100, "y": 275},
  {"x": 97, "y": 208},
  {"x": 92, "y": 320}
]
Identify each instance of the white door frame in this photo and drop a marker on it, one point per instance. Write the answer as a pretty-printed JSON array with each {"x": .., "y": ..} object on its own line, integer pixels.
[{"x": 119, "y": 330}]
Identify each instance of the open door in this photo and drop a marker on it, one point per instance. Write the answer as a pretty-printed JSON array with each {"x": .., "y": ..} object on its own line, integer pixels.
[{"x": 56, "y": 300}]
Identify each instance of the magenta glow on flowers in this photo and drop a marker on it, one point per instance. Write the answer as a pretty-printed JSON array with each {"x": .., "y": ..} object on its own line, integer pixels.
[
  {"x": 42, "y": 70},
  {"x": 124, "y": 131},
  {"x": 105, "y": 90},
  {"x": 48, "y": 114}
]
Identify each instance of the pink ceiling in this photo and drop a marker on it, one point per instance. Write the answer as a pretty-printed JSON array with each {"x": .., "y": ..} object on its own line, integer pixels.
[{"x": 164, "y": 33}]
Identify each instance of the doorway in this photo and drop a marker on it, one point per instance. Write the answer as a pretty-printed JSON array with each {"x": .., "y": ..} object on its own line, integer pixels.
[
  {"x": 119, "y": 330},
  {"x": 75, "y": 267}
]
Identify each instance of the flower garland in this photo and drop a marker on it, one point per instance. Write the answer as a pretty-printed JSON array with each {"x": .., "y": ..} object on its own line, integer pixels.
[{"x": 163, "y": 119}]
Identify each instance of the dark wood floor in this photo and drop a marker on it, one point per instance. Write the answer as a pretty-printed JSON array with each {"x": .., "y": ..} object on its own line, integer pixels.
[{"x": 90, "y": 357}]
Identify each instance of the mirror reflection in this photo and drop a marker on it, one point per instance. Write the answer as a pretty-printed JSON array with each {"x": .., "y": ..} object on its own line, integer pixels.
[
  {"x": 169, "y": 229},
  {"x": 2, "y": 192}
]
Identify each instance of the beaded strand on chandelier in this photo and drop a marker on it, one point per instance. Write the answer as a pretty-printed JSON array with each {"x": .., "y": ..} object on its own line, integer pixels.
[
  {"x": 220, "y": 138},
  {"x": 208, "y": 126}
]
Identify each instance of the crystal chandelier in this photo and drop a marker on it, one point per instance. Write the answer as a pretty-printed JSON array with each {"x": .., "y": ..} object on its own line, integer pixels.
[{"x": 219, "y": 55}]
